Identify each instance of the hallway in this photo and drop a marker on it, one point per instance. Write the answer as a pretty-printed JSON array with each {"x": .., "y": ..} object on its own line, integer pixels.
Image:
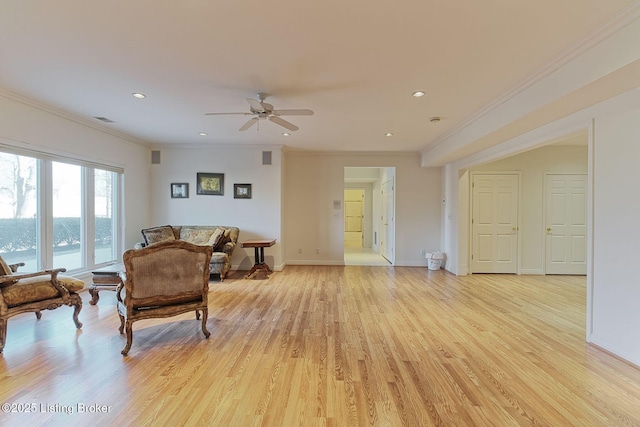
[{"x": 363, "y": 256}]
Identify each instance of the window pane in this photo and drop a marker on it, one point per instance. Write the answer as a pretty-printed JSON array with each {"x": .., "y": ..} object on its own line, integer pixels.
[
  {"x": 18, "y": 210},
  {"x": 67, "y": 209},
  {"x": 105, "y": 225}
]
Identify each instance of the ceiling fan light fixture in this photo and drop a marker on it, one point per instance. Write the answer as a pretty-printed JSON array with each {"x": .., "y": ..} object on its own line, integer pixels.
[
  {"x": 203, "y": 134},
  {"x": 388, "y": 134},
  {"x": 418, "y": 94},
  {"x": 139, "y": 95},
  {"x": 286, "y": 134},
  {"x": 260, "y": 110}
]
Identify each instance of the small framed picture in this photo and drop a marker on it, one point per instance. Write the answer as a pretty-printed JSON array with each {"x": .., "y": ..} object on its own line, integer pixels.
[
  {"x": 241, "y": 191},
  {"x": 180, "y": 190},
  {"x": 210, "y": 183}
]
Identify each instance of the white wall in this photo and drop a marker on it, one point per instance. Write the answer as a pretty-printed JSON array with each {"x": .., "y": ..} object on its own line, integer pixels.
[
  {"x": 27, "y": 125},
  {"x": 257, "y": 218},
  {"x": 616, "y": 236},
  {"x": 533, "y": 166},
  {"x": 315, "y": 180}
]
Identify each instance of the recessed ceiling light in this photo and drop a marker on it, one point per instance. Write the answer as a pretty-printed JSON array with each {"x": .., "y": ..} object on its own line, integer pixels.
[
  {"x": 203, "y": 134},
  {"x": 418, "y": 94},
  {"x": 388, "y": 134},
  {"x": 139, "y": 95},
  {"x": 286, "y": 134}
]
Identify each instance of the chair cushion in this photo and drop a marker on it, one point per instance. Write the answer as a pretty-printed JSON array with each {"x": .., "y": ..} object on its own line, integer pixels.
[
  {"x": 71, "y": 283},
  {"x": 157, "y": 234},
  {"x": 152, "y": 302},
  {"x": 32, "y": 289},
  {"x": 5, "y": 270}
]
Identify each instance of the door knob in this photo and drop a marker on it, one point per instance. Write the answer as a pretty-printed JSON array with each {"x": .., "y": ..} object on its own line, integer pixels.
[
  {"x": 514, "y": 229},
  {"x": 548, "y": 230}
]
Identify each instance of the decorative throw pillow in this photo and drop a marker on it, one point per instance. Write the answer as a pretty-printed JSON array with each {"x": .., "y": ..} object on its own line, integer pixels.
[
  {"x": 223, "y": 241},
  {"x": 5, "y": 270},
  {"x": 196, "y": 235},
  {"x": 158, "y": 234},
  {"x": 216, "y": 237}
]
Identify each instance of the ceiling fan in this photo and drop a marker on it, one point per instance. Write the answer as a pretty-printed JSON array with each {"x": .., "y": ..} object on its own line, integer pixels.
[{"x": 260, "y": 110}]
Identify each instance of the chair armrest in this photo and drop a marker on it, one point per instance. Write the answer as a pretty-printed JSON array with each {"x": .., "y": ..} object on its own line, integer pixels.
[
  {"x": 228, "y": 248},
  {"x": 53, "y": 273},
  {"x": 64, "y": 292}
]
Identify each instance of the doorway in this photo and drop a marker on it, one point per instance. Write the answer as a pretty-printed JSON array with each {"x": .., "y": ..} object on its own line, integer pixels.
[
  {"x": 387, "y": 220},
  {"x": 363, "y": 217}
]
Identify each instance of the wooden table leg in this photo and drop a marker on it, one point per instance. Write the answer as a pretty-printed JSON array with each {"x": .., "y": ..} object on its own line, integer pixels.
[{"x": 259, "y": 263}]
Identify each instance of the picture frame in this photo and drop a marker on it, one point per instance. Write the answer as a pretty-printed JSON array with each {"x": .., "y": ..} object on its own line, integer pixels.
[
  {"x": 241, "y": 191},
  {"x": 210, "y": 183},
  {"x": 179, "y": 190}
]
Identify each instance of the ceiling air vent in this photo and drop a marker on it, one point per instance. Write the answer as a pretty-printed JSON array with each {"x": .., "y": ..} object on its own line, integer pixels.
[{"x": 104, "y": 119}]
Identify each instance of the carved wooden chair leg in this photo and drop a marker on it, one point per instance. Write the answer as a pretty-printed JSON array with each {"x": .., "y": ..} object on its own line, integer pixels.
[
  {"x": 121, "y": 328},
  {"x": 3, "y": 333},
  {"x": 77, "y": 306},
  {"x": 205, "y": 314},
  {"x": 38, "y": 315},
  {"x": 197, "y": 314},
  {"x": 129, "y": 331}
]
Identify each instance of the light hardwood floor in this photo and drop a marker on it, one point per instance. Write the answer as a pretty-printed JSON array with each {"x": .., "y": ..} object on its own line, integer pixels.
[{"x": 332, "y": 346}]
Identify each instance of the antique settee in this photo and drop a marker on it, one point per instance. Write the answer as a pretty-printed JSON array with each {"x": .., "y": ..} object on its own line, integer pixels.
[{"x": 223, "y": 239}]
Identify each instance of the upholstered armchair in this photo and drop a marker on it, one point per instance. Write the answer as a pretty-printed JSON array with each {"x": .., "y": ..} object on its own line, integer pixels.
[
  {"x": 34, "y": 292},
  {"x": 162, "y": 280}
]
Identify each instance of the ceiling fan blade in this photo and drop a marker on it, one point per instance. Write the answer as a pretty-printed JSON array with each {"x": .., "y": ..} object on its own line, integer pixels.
[
  {"x": 283, "y": 123},
  {"x": 250, "y": 123},
  {"x": 222, "y": 114},
  {"x": 256, "y": 105},
  {"x": 294, "y": 112}
]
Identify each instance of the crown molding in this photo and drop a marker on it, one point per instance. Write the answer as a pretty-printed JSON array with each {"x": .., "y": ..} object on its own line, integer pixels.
[
  {"x": 213, "y": 145},
  {"x": 616, "y": 23},
  {"x": 71, "y": 117},
  {"x": 297, "y": 152}
]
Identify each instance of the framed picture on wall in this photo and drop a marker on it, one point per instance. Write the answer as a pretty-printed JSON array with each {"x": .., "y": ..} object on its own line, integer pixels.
[
  {"x": 179, "y": 190},
  {"x": 241, "y": 191},
  {"x": 210, "y": 183}
]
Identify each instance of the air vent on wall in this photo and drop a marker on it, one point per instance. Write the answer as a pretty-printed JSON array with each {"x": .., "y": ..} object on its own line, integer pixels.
[
  {"x": 266, "y": 157},
  {"x": 155, "y": 157},
  {"x": 104, "y": 119}
]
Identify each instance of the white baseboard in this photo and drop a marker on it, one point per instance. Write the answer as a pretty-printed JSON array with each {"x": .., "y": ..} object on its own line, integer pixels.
[
  {"x": 314, "y": 262},
  {"x": 275, "y": 267},
  {"x": 532, "y": 271},
  {"x": 623, "y": 353}
]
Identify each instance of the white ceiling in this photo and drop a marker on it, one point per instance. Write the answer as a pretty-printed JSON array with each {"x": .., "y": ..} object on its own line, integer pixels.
[{"x": 355, "y": 63}]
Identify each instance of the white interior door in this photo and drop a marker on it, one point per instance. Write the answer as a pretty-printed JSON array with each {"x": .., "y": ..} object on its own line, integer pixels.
[
  {"x": 387, "y": 228},
  {"x": 353, "y": 218},
  {"x": 494, "y": 223},
  {"x": 353, "y": 210},
  {"x": 566, "y": 224}
]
